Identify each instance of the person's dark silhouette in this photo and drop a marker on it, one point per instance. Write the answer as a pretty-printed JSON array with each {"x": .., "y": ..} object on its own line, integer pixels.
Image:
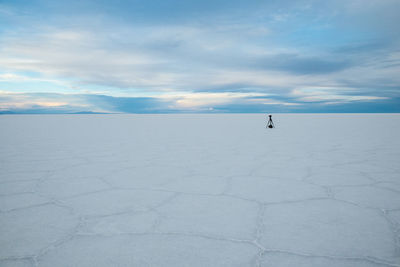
[{"x": 270, "y": 124}]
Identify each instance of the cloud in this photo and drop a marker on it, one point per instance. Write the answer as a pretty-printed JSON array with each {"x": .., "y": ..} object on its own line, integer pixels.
[
  {"x": 301, "y": 65},
  {"x": 164, "y": 103},
  {"x": 175, "y": 55},
  {"x": 32, "y": 102},
  {"x": 332, "y": 95},
  {"x": 304, "y": 100}
]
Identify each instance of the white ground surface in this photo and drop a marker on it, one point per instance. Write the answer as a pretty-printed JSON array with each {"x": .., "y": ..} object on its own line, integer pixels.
[{"x": 200, "y": 190}]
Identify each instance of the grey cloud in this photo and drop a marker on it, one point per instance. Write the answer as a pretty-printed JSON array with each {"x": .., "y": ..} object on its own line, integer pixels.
[
  {"x": 301, "y": 65},
  {"x": 365, "y": 47}
]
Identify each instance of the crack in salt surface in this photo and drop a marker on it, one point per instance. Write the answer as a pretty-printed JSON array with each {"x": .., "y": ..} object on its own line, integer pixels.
[
  {"x": 119, "y": 156},
  {"x": 262, "y": 249},
  {"x": 365, "y": 258}
]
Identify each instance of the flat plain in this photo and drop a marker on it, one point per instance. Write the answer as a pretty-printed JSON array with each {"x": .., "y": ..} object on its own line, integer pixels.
[{"x": 200, "y": 190}]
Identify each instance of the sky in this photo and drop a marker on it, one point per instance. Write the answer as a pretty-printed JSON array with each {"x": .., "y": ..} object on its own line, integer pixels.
[{"x": 209, "y": 56}]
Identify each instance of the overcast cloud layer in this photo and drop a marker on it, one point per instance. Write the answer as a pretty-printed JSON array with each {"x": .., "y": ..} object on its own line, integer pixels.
[{"x": 199, "y": 56}]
